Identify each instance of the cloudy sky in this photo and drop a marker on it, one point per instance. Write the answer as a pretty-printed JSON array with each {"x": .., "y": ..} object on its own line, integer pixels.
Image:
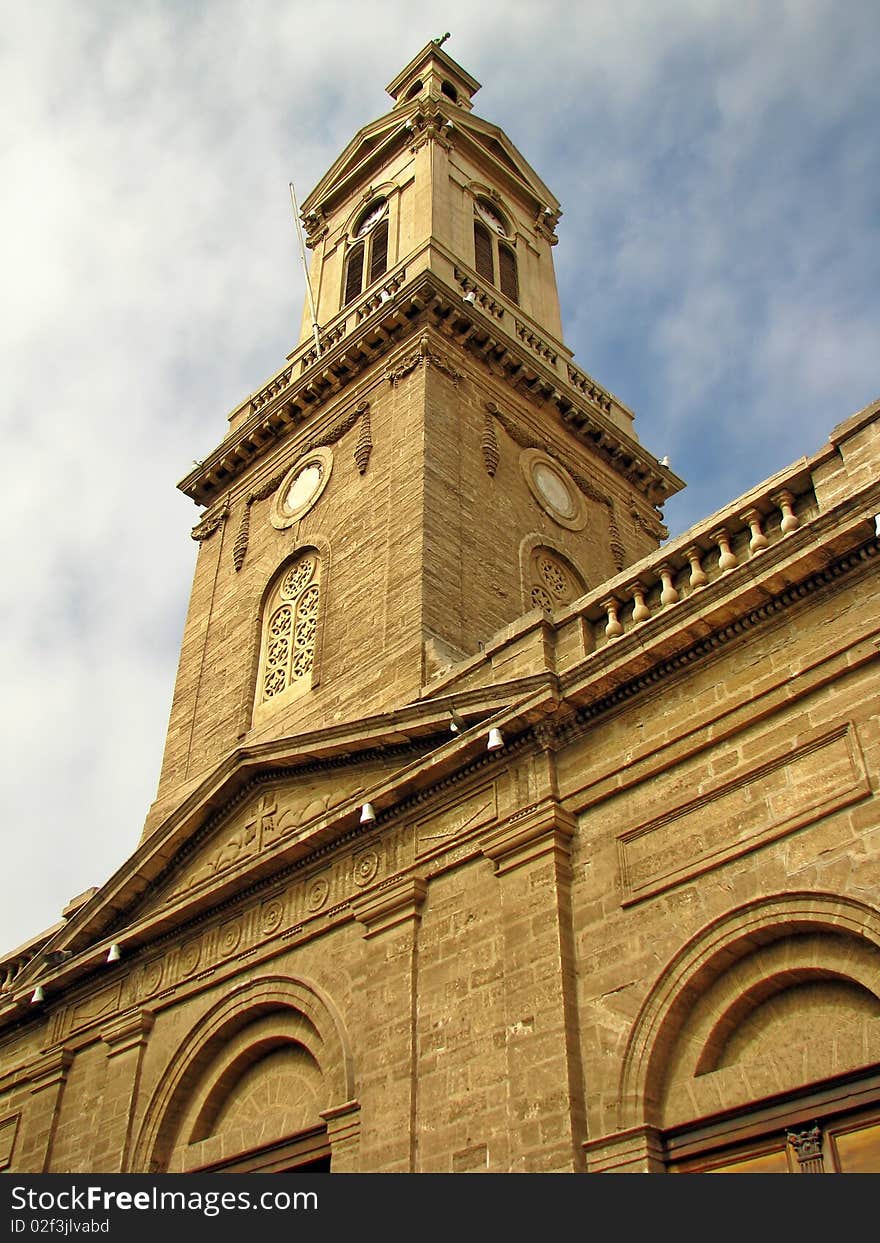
[{"x": 718, "y": 264}]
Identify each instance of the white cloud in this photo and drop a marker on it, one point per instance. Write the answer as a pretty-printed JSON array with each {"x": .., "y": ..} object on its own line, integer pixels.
[{"x": 717, "y": 263}]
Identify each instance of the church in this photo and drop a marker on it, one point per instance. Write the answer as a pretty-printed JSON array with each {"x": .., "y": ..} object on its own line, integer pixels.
[{"x": 495, "y": 831}]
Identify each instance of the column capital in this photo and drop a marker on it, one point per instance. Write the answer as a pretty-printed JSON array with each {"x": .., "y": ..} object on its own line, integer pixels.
[
  {"x": 127, "y": 1032},
  {"x": 541, "y": 829},
  {"x": 387, "y": 908}
]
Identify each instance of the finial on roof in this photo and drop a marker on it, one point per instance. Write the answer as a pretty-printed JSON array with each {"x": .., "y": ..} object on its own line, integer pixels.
[{"x": 441, "y": 39}]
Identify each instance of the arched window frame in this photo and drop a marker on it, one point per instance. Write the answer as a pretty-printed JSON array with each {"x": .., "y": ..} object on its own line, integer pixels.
[
  {"x": 550, "y": 579},
  {"x": 366, "y": 258},
  {"x": 297, "y": 590},
  {"x": 495, "y": 248}
]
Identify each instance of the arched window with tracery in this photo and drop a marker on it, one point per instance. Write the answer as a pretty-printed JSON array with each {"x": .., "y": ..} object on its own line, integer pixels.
[
  {"x": 289, "y": 643},
  {"x": 553, "y": 580}
]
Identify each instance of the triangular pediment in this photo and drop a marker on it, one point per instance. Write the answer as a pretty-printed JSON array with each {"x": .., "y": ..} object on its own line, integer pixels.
[
  {"x": 492, "y": 140},
  {"x": 261, "y": 810},
  {"x": 377, "y": 143},
  {"x": 270, "y": 824},
  {"x": 264, "y": 811},
  {"x": 379, "y": 140},
  {"x": 246, "y": 827}
]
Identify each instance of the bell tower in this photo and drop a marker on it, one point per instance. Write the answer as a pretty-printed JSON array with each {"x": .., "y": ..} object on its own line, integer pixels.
[{"x": 429, "y": 465}]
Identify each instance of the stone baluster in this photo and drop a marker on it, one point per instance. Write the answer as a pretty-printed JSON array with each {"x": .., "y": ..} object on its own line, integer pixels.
[
  {"x": 758, "y": 542},
  {"x": 785, "y": 502},
  {"x": 613, "y": 628},
  {"x": 698, "y": 574},
  {"x": 640, "y": 612},
  {"x": 727, "y": 560},
  {"x": 668, "y": 595},
  {"x": 8, "y": 974}
]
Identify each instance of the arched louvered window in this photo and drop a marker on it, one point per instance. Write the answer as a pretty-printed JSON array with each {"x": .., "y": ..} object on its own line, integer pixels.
[
  {"x": 379, "y": 251},
  {"x": 483, "y": 260},
  {"x": 507, "y": 272},
  {"x": 290, "y": 632},
  {"x": 354, "y": 273},
  {"x": 367, "y": 258},
  {"x": 492, "y": 255}
]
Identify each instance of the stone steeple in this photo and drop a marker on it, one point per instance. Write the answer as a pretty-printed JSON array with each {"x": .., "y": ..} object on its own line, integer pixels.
[{"x": 437, "y": 468}]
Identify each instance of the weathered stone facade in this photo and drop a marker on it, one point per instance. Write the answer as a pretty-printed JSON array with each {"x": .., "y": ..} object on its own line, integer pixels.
[{"x": 640, "y": 931}]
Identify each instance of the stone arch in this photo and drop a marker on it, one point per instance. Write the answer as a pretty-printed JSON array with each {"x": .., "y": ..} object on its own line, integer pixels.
[
  {"x": 289, "y": 1020},
  {"x": 737, "y": 964},
  {"x": 568, "y": 584},
  {"x": 320, "y": 550}
]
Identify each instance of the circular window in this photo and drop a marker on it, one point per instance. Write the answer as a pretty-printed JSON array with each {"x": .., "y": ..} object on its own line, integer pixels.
[
  {"x": 554, "y": 489},
  {"x": 304, "y": 486},
  {"x": 553, "y": 581},
  {"x": 301, "y": 487}
]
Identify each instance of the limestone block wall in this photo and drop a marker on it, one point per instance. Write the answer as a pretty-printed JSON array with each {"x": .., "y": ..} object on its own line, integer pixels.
[
  {"x": 367, "y": 530},
  {"x": 726, "y": 871},
  {"x": 485, "y": 526}
]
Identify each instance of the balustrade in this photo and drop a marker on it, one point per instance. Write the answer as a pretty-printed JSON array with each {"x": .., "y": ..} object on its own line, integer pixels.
[{"x": 690, "y": 567}]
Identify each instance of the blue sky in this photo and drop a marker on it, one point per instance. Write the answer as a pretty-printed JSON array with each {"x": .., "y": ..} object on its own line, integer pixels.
[{"x": 718, "y": 265}]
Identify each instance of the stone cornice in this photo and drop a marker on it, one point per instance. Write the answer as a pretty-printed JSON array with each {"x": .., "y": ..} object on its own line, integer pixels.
[{"x": 295, "y": 395}]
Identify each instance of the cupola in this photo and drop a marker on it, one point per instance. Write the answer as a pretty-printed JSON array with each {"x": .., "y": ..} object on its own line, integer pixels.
[{"x": 432, "y": 74}]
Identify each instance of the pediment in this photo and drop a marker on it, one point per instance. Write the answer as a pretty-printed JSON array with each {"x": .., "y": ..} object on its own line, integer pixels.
[
  {"x": 265, "y": 811},
  {"x": 368, "y": 141},
  {"x": 239, "y": 829},
  {"x": 259, "y": 833},
  {"x": 490, "y": 138},
  {"x": 382, "y": 137}
]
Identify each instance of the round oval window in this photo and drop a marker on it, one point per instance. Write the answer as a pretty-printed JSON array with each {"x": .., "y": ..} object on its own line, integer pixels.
[
  {"x": 554, "y": 490},
  {"x": 304, "y": 486},
  {"x": 301, "y": 488}
]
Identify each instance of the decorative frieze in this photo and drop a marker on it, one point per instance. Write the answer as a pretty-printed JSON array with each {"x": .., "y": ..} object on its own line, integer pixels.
[{"x": 424, "y": 356}]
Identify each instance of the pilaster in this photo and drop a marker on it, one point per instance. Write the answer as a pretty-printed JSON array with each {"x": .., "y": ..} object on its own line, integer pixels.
[
  {"x": 530, "y": 854},
  {"x": 46, "y": 1078},
  {"x": 390, "y": 919},
  {"x": 126, "y": 1040}
]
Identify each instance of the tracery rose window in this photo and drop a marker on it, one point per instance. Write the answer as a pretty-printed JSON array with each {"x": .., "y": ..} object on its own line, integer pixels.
[
  {"x": 554, "y": 581},
  {"x": 290, "y": 630}
]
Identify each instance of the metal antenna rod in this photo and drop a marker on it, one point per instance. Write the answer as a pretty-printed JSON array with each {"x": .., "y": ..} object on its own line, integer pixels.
[{"x": 302, "y": 256}]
